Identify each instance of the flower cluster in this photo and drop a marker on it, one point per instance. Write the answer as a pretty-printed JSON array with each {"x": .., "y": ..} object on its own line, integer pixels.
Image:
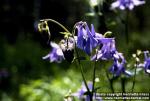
[
  {"x": 88, "y": 41},
  {"x": 126, "y": 4},
  {"x": 98, "y": 47}
]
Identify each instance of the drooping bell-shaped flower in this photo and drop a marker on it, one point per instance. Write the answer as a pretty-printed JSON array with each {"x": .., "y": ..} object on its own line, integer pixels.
[
  {"x": 56, "y": 55},
  {"x": 126, "y": 4},
  {"x": 106, "y": 50},
  {"x": 118, "y": 66},
  {"x": 86, "y": 37}
]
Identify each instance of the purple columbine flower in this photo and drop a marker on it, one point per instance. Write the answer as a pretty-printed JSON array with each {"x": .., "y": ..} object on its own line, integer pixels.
[
  {"x": 106, "y": 51},
  {"x": 126, "y": 4},
  {"x": 146, "y": 62},
  {"x": 56, "y": 55},
  {"x": 118, "y": 66},
  {"x": 85, "y": 38}
]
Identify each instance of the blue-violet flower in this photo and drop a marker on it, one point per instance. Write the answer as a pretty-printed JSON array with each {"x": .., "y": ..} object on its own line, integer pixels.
[
  {"x": 56, "y": 55},
  {"x": 126, "y": 4},
  {"x": 118, "y": 66},
  {"x": 85, "y": 38},
  {"x": 107, "y": 49}
]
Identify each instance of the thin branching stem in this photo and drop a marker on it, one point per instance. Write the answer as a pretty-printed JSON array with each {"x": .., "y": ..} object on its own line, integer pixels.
[
  {"x": 110, "y": 82},
  {"x": 123, "y": 81},
  {"x": 81, "y": 68},
  {"x": 56, "y": 22},
  {"x": 133, "y": 85},
  {"x": 94, "y": 73}
]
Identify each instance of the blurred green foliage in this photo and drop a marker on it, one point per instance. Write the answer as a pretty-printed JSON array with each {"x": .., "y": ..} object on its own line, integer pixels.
[{"x": 55, "y": 89}]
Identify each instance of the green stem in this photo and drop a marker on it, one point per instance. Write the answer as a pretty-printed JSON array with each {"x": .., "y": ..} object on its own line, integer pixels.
[
  {"x": 123, "y": 81},
  {"x": 133, "y": 84},
  {"x": 81, "y": 70},
  {"x": 93, "y": 86},
  {"x": 78, "y": 60},
  {"x": 94, "y": 73},
  {"x": 134, "y": 78},
  {"x": 110, "y": 82},
  {"x": 56, "y": 22},
  {"x": 123, "y": 84},
  {"x": 84, "y": 80}
]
